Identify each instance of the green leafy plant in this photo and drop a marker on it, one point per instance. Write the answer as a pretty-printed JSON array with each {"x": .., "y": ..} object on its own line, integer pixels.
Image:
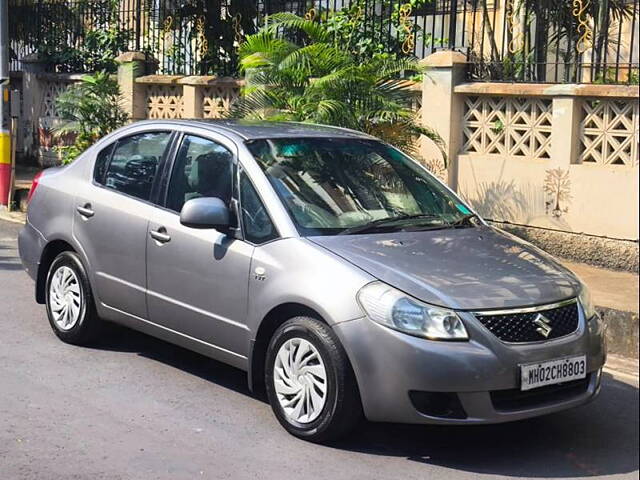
[
  {"x": 71, "y": 36},
  {"x": 617, "y": 75},
  {"x": 203, "y": 33},
  {"x": 96, "y": 53},
  {"x": 91, "y": 109},
  {"x": 364, "y": 27},
  {"x": 318, "y": 81},
  {"x": 101, "y": 47}
]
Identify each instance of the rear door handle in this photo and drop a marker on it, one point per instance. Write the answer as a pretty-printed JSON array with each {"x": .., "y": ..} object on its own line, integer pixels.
[
  {"x": 160, "y": 235},
  {"x": 86, "y": 210}
]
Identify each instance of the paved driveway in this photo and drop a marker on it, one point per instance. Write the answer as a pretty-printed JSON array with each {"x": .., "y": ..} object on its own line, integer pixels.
[{"x": 139, "y": 408}]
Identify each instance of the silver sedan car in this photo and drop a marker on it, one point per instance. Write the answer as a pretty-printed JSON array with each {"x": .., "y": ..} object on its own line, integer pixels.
[{"x": 346, "y": 280}]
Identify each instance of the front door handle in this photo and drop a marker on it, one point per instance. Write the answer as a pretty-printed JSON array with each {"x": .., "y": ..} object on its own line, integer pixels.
[
  {"x": 160, "y": 235},
  {"x": 86, "y": 210}
]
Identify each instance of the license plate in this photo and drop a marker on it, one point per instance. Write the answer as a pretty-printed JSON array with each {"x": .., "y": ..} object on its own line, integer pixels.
[{"x": 562, "y": 370}]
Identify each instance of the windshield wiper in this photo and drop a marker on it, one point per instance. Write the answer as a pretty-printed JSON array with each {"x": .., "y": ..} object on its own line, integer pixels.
[
  {"x": 388, "y": 221},
  {"x": 465, "y": 221}
]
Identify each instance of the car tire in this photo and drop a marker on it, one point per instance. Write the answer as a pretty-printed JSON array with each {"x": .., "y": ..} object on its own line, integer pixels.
[
  {"x": 301, "y": 352},
  {"x": 69, "y": 301}
]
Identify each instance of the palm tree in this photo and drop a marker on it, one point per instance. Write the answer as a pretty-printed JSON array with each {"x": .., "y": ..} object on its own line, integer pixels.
[{"x": 297, "y": 71}]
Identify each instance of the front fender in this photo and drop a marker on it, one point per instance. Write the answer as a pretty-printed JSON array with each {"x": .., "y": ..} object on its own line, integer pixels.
[{"x": 294, "y": 270}]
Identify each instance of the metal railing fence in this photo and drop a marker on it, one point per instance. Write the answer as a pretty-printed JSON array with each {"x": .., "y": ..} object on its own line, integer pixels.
[{"x": 558, "y": 41}]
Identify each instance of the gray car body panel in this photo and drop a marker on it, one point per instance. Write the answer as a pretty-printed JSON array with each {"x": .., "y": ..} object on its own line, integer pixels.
[
  {"x": 295, "y": 271},
  {"x": 464, "y": 269},
  {"x": 50, "y": 216},
  {"x": 210, "y": 293},
  {"x": 198, "y": 283},
  {"x": 471, "y": 369}
]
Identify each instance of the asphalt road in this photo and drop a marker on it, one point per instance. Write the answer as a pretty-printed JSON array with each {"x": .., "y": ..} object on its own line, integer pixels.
[{"x": 139, "y": 408}]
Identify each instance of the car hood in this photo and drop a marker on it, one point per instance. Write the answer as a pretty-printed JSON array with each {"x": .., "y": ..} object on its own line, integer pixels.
[{"x": 468, "y": 269}]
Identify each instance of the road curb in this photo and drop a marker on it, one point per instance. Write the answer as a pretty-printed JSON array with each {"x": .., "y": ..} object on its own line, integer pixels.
[{"x": 14, "y": 217}]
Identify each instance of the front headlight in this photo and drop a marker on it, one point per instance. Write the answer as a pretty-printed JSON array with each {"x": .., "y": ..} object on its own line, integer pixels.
[
  {"x": 586, "y": 303},
  {"x": 392, "y": 308}
]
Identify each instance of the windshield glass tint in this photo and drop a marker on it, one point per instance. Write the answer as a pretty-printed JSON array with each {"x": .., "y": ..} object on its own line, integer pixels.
[{"x": 329, "y": 185}]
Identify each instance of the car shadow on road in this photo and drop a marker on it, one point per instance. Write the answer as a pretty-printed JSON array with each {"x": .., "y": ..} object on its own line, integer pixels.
[
  {"x": 598, "y": 439},
  {"x": 121, "y": 339}
]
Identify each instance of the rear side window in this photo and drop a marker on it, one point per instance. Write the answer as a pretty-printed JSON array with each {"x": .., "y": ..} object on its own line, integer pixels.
[{"x": 134, "y": 163}]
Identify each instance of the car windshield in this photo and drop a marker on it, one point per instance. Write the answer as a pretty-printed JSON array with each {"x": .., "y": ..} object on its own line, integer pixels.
[{"x": 344, "y": 185}]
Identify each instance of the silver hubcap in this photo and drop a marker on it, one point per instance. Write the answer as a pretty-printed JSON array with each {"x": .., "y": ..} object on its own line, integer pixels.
[
  {"x": 300, "y": 380},
  {"x": 65, "y": 298}
]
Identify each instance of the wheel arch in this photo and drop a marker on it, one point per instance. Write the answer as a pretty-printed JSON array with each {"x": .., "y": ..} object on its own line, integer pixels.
[
  {"x": 269, "y": 324},
  {"x": 49, "y": 253}
]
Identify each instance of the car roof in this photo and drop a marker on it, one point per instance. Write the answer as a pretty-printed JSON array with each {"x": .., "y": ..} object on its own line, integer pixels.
[{"x": 251, "y": 130}]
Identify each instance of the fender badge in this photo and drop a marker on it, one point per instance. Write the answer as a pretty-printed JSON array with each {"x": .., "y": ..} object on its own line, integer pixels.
[{"x": 260, "y": 274}]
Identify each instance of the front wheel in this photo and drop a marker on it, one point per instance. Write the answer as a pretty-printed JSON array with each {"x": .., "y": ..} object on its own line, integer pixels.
[
  {"x": 310, "y": 384},
  {"x": 70, "y": 305}
]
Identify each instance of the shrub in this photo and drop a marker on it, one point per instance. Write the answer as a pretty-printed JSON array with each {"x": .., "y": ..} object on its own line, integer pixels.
[{"x": 91, "y": 109}]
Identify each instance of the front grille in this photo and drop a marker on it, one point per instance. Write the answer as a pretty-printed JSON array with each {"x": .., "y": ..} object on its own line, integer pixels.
[
  {"x": 512, "y": 400},
  {"x": 520, "y": 327}
]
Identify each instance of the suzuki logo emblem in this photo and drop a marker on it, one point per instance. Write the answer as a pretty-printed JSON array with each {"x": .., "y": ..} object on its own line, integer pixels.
[{"x": 543, "y": 324}]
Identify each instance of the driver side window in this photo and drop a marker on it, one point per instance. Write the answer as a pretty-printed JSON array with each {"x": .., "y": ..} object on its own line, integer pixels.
[
  {"x": 257, "y": 224},
  {"x": 203, "y": 168}
]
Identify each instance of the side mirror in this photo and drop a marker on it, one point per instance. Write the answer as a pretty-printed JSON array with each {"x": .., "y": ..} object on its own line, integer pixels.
[{"x": 206, "y": 212}]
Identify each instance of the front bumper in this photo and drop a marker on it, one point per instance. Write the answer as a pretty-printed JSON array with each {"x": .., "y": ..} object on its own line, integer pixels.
[{"x": 477, "y": 373}]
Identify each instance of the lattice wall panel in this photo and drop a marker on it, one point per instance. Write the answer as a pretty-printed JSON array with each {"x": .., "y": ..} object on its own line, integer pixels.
[
  {"x": 164, "y": 101},
  {"x": 609, "y": 132},
  {"x": 218, "y": 99},
  {"x": 50, "y": 92},
  {"x": 519, "y": 127}
]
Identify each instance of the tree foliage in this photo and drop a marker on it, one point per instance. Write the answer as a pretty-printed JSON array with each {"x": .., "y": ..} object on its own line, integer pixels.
[
  {"x": 71, "y": 36},
  {"x": 218, "y": 24},
  {"x": 313, "y": 79},
  {"x": 550, "y": 28},
  {"x": 366, "y": 28}
]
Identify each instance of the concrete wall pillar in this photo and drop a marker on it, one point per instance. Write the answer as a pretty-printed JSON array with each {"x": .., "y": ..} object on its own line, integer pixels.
[
  {"x": 565, "y": 136},
  {"x": 192, "y": 96},
  {"x": 442, "y": 110},
  {"x": 131, "y": 65}
]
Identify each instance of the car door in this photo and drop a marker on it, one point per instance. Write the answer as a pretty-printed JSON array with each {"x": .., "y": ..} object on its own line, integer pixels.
[
  {"x": 198, "y": 278},
  {"x": 111, "y": 217}
]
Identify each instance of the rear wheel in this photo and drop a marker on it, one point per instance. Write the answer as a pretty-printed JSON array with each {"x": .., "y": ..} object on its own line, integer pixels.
[
  {"x": 310, "y": 383},
  {"x": 70, "y": 305}
]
